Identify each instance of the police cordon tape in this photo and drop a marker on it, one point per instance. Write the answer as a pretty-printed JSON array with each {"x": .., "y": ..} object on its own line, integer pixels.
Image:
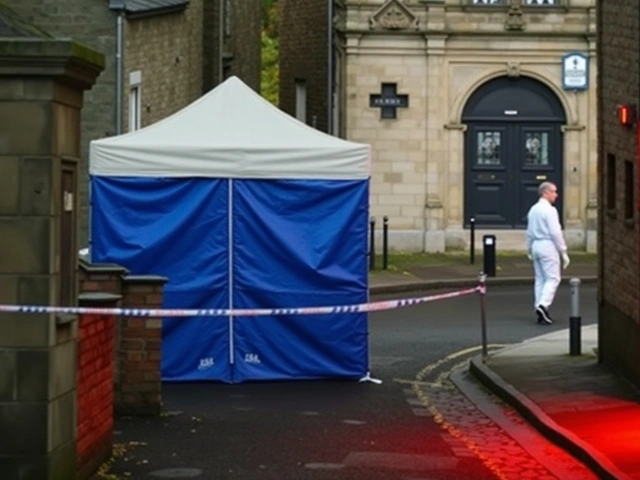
[{"x": 241, "y": 312}]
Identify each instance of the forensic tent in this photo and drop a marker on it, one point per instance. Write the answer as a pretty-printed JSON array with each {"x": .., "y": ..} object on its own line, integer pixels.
[{"x": 241, "y": 206}]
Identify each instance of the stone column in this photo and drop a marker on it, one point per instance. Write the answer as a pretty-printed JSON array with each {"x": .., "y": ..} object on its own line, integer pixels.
[
  {"x": 455, "y": 179},
  {"x": 437, "y": 149},
  {"x": 41, "y": 91},
  {"x": 575, "y": 186}
]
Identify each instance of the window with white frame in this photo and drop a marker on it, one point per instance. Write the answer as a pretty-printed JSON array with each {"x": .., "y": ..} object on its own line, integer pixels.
[
  {"x": 489, "y": 2},
  {"x": 135, "y": 100},
  {"x": 542, "y": 2},
  {"x": 301, "y": 100}
]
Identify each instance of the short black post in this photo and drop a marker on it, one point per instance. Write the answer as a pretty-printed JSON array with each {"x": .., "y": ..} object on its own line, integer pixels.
[
  {"x": 489, "y": 255},
  {"x": 482, "y": 284},
  {"x": 575, "y": 329},
  {"x": 385, "y": 242},
  {"x": 372, "y": 243},
  {"x": 472, "y": 241}
]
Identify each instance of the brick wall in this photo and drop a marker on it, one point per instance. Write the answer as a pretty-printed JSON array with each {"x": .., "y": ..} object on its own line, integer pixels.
[
  {"x": 210, "y": 51},
  {"x": 138, "y": 343},
  {"x": 96, "y": 335},
  {"x": 618, "y": 81},
  {"x": 241, "y": 45},
  {"x": 303, "y": 55},
  {"x": 244, "y": 43},
  {"x": 140, "y": 353},
  {"x": 167, "y": 50}
]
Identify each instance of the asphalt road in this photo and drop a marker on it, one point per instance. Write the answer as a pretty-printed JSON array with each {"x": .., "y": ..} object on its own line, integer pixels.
[
  {"x": 415, "y": 425},
  {"x": 433, "y": 330}
]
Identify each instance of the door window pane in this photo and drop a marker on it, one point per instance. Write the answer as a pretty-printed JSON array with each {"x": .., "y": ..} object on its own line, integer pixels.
[
  {"x": 536, "y": 148},
  {"x": 489, "y": 152}
]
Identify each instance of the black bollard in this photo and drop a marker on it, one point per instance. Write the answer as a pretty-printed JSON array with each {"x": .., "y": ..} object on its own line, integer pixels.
[
  {"x": 385, "y": 242},
  {"x": 489, "y": 255},
  {"x": 472, "y": 241},
  {"x": 372, "y": 243},
  {"x": 482, "y": 283}
]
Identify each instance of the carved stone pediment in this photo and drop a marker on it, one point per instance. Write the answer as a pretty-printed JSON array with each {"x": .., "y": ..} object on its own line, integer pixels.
[
  {"x": 393, "y": 15},
  {"x": 515, "y": 20}
]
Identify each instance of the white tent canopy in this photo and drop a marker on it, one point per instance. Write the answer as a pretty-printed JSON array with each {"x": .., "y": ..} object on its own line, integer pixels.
[{"x": 231, "y": 132}]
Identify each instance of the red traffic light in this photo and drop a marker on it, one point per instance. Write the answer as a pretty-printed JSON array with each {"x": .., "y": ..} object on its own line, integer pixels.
[{"x": 627, "y": 115}]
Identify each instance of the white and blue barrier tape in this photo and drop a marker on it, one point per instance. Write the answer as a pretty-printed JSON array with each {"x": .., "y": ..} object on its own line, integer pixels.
[{"x": 241, "y": 312}]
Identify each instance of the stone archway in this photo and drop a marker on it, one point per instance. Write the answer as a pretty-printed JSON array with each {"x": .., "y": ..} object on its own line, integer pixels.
[{"x": 513, "y": 142}]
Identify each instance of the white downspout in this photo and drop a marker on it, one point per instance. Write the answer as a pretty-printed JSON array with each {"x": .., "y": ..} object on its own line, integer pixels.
[
  {"x": 118, "y": 7},
  {"x": 221, "y": 43},
  {"x": 330, "y": 67}
]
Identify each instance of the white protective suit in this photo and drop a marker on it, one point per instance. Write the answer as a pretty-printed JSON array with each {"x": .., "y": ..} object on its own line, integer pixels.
[{"x": 546, "y": 244}]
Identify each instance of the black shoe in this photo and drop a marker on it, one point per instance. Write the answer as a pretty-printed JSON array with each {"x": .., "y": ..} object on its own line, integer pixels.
[{"x": 543, "y": 315}]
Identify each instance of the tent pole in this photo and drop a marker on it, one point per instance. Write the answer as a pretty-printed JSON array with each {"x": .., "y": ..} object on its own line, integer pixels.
[{"x": 230, "y": 260}]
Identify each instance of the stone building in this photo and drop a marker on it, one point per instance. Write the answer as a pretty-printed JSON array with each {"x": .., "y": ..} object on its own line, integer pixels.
[
  {"x": 618, "y": 82},
  {"x": 161, "y": 56},
  {"x": 468, "y": 106}
]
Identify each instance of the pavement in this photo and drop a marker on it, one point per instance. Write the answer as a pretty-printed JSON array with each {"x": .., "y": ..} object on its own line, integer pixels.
[
  {"x": 453, "y": 271},
  {"x": 573, "y": 400}
]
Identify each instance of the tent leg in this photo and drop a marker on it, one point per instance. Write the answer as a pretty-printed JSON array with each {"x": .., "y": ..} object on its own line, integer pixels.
[{"x": 369, "y": 378}]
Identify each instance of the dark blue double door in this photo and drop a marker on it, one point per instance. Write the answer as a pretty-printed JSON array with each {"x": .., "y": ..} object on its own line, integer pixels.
[{"x": 505, "y": 164}]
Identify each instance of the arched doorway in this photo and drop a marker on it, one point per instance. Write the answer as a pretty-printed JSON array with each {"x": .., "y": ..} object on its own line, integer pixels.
[{"x": 513, "y": 143}]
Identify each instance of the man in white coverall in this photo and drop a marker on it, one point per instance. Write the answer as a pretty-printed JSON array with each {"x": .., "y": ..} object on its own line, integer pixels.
[{"x": 546, "y": 246}]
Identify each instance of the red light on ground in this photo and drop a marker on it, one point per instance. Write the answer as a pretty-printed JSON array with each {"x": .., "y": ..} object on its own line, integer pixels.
[{"x": 626, "y": 115}]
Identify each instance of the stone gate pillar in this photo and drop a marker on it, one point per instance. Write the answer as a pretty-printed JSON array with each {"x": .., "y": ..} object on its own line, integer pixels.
[{"x": 41, "y": 91}]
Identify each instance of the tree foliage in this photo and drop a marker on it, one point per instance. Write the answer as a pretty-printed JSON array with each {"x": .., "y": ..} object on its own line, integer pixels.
[{"x": 270, "y": 81}]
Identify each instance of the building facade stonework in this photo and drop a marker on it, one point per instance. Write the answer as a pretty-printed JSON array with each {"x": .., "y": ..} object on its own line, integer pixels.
[
  {"x": 171, "y": 55},
  {"x": 464, "y": 106},
  {"x": 619, "y": 288}
]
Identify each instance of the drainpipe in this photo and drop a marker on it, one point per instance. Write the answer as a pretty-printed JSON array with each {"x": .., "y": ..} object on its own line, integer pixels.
[
  {"x": 221, "y": 43},
  {"x": 118, "y": 7},
  {"x": 330, "y": 67}
]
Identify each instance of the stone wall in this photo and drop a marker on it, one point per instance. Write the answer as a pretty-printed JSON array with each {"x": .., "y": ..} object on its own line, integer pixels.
[
  {"x": 619, "y": 78},
  {"x": 40, "y": 102},
  {"x": 92, "y": 24}
]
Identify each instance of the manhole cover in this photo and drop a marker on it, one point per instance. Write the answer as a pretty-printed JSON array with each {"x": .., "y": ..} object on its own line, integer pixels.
[{"x": 177, "y": 473}]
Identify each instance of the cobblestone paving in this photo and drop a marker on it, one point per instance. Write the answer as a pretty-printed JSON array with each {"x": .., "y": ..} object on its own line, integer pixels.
[{"x": 470, "y": 432}]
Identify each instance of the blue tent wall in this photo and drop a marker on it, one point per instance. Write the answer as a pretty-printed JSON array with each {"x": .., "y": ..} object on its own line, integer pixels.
[
  {"x": 308, "y": 240},
  {"x": 295, "y": 243},
  {"x": 176, "y": 228}
]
